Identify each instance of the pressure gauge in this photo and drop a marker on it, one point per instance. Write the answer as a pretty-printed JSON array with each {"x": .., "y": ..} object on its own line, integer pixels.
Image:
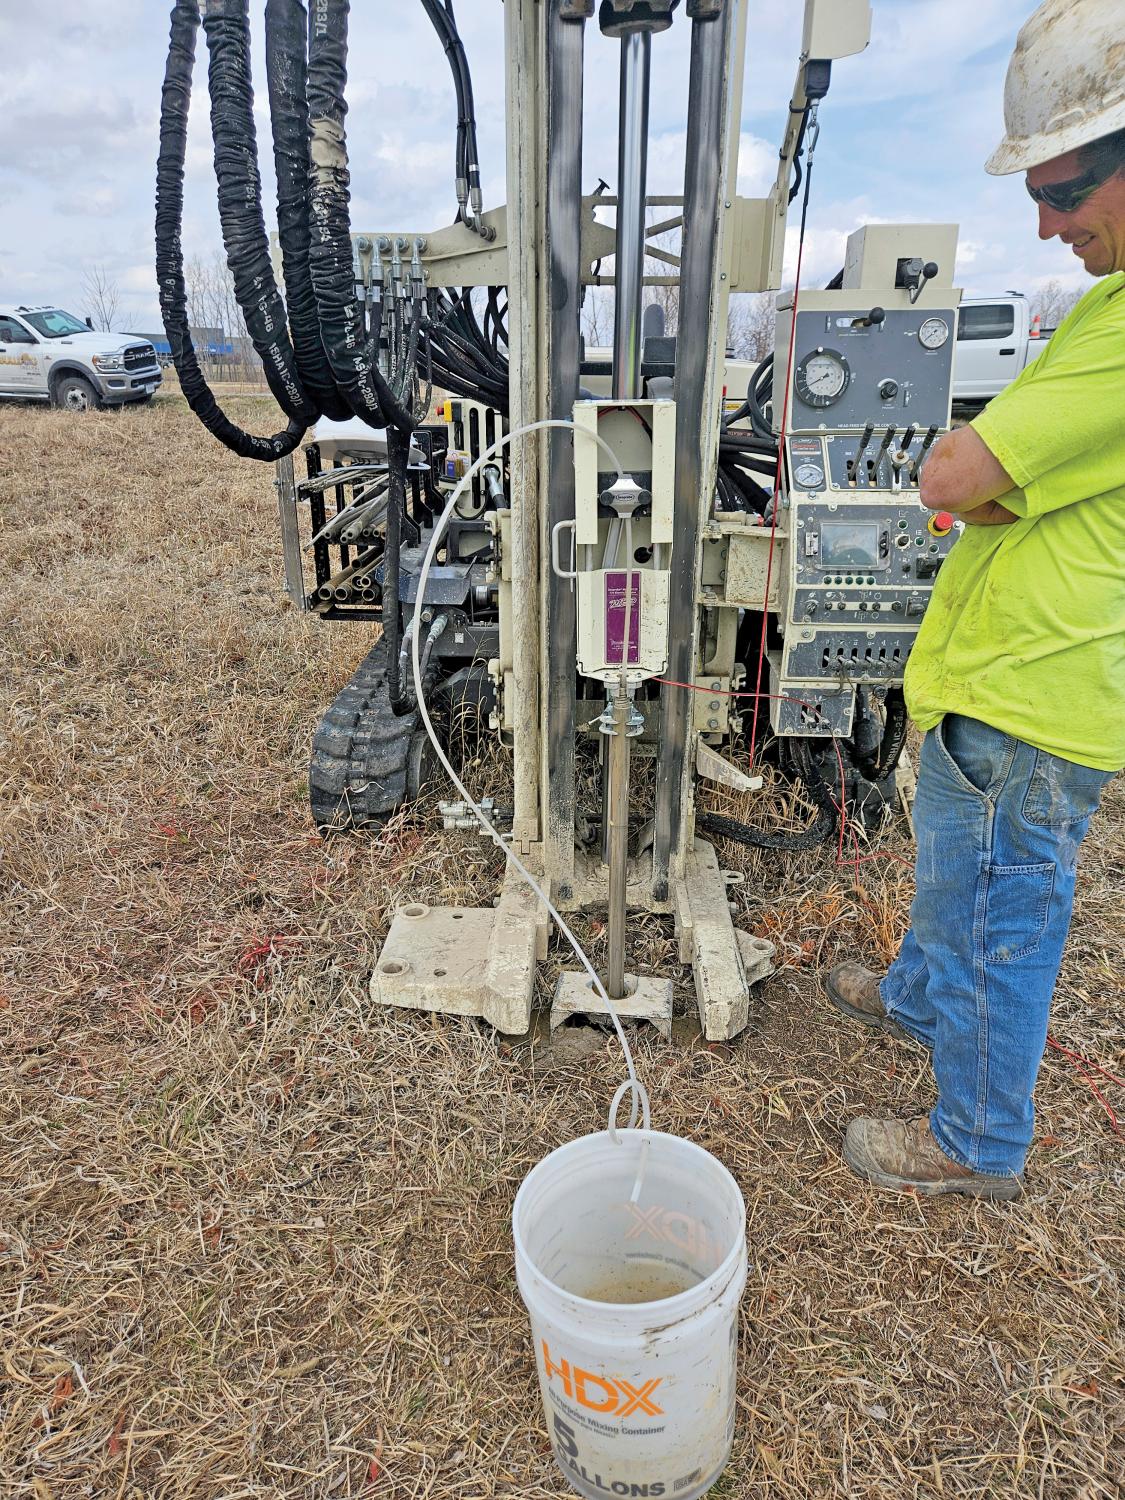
[
  {"x": 822, "y": 377},
  {"x": 809, "y": 476},
  {"x": 933, "y": 333}
]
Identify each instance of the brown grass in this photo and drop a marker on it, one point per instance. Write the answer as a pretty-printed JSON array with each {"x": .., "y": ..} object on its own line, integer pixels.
[{"x": 254, "y": 1235}]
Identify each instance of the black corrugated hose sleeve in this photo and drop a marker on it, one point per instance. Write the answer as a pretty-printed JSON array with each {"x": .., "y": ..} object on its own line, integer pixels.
[
  {"x": 722, "y": 827},
  {"x": 287, "y": 29},
  {"x": 174, "y": 104},
  {"x": 331, "y": 267},
  {"x": 760, "y": 838},
  {"x": 227, "y": 27}
]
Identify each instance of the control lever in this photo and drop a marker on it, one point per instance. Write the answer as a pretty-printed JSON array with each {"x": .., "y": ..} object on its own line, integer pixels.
[
  {"x": 913, "y": 272},
  {"x": 900, "y": 458},
  {"x": 873, "y": 463},
  {"x": 923, "y": 450},
  {"x": 854, "y": 462},
  {"x": 872, "y": 319}
]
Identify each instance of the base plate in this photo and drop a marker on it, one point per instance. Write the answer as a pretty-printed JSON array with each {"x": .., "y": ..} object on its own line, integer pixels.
[
  {"x": 465, "y": 960},
  {"x": 646, "y": 999}
]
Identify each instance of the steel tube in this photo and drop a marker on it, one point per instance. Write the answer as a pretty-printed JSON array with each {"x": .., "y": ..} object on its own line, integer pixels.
[
  {"x": 560, "y": 262},
  {"x": 700, "y": 311},
  {"x": 618, "y": 812},
  {"x": 632, "y": 170}
]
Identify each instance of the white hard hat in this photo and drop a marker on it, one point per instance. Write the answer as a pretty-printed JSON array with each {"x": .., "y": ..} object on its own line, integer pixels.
[{"x": 1065, "y": 85}]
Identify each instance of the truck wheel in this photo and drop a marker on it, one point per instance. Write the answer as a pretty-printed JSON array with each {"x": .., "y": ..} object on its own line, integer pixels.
[{"x": 76, "y": 394}]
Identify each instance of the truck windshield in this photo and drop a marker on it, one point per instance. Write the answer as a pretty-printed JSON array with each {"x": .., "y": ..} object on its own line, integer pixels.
[{"x": 55, "y": 324}]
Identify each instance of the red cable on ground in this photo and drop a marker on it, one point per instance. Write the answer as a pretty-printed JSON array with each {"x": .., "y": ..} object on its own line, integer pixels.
[{"x": 1084, "y": 1065}]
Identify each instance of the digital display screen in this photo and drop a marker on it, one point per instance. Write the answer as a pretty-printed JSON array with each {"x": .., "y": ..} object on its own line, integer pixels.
[{"x": 849, "y": 544}]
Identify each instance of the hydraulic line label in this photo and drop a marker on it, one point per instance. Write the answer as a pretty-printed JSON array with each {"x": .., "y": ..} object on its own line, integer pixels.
[{"x": 615, "y": 618}]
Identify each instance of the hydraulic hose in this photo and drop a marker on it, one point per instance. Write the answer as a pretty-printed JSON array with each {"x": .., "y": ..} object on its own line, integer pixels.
[
  {"x": 880, "y": 765},
  {"x": 226, "y": 24},
  {"x": 286, "y": 66},
  {"x": 398, "y": 451},
  {"x": 174, "y": 105},
  {"x": 760, "y": 838},
  {"x": 352, "y": 357}
]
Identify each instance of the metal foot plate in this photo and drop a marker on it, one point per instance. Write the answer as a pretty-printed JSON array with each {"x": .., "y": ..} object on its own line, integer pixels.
[
  {"x": 647, "y": 999},
  {"x": 465, "y": 961},
  {"x": 713, "y": 947}
]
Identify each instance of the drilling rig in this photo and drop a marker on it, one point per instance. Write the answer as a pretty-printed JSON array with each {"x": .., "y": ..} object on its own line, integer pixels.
[{"x": 747, "y": 571}]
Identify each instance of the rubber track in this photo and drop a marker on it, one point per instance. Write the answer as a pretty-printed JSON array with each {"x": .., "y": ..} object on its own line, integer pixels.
[{"x": 358, "y": 771}]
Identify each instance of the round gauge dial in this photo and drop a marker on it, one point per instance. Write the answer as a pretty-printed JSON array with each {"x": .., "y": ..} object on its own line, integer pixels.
[
  {"x": 809, "y": 476},
  {"x": 933, "y": 333},
  {"x": 822, "y": 377}
]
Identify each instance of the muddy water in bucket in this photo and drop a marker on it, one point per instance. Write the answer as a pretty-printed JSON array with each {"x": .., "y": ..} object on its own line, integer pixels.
[{"x": 631, "y": 1259}]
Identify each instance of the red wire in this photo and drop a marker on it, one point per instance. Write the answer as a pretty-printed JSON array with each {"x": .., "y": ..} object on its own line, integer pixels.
[
  {"x": 841, "y": 806},
  {"x": 1083, "y": 1065}
]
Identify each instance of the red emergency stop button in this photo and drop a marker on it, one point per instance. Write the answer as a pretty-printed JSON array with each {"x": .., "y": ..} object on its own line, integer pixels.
[{"x": 940, "y": 523}]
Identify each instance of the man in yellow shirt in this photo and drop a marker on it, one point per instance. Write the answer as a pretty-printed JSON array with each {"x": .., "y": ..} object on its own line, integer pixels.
[{"x": 1018, "y": 672}]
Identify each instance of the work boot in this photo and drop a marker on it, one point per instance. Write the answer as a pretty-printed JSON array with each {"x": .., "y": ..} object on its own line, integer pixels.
[
  {"x": 855, "y": 990},
  {"x": 903, "y": 1154}
]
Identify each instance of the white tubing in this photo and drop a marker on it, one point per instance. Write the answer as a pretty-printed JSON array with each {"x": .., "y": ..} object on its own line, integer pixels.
[{"x": 640, "y": 1103}]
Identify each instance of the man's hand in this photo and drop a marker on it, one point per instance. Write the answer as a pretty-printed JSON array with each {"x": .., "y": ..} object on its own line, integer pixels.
[{"x": 962, "y": 475}]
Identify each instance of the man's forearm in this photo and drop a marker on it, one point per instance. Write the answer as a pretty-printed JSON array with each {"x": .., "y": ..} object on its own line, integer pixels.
[
  {"x": 962, "y": 475},
  {"x": 991, "y": 513}
]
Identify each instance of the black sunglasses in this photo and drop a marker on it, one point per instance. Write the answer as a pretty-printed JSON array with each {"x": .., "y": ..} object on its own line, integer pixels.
[{"x": 1065, "y": 197}]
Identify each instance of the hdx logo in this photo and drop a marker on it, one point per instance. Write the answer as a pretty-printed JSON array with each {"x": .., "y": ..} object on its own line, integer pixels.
[{"x": 612, "y": 1398}]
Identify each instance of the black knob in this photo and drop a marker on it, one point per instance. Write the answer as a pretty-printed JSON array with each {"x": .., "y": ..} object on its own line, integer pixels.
[
  {"x": 888, "y": 389},
  {"x": 876, "y": 315},
  {"x": 930, "y": 270}
]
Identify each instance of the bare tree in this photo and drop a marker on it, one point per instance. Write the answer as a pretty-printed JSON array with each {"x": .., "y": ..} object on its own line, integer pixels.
[
  {"x": 222, "y": 344},
  {"x": 1052, "y": 302},
  {"x": 102, "y": 295},
  {"x": 597, "y": 317},
  {"x": 750, "y": 317},
  {"x": 750, "y": 324}
]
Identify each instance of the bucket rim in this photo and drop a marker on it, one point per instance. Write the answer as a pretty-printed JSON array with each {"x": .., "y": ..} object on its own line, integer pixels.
[{"x": 727, "y": 1268}]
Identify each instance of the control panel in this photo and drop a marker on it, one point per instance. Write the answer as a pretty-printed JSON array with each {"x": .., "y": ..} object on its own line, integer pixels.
[
  {"x": 870, "y": 395},
  {"x": 857, "y": 365}
]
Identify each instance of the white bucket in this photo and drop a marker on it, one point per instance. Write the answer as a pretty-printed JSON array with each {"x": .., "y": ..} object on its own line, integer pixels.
[{"x": 633, "y": 1299}]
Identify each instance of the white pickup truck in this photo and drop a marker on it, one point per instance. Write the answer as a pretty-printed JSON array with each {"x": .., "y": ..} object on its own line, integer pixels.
[
  {"x": 996, "y": 338},
  {"x": 49, "y": 355}
]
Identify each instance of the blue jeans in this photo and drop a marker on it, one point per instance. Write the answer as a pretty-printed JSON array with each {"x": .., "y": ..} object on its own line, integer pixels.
[{"x": 998, "y": 825}]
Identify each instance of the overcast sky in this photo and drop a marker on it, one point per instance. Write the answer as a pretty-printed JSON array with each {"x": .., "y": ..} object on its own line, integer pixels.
[{"x": 905, "y": 131}]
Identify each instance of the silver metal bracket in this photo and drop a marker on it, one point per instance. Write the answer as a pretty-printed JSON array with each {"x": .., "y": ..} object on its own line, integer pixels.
[{"x": 646, "y": 998}]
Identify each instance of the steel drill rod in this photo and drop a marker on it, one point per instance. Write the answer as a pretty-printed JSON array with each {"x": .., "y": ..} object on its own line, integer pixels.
[{"x": 618, "y": 847}]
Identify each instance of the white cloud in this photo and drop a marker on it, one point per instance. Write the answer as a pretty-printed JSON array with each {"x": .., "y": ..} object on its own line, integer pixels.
[{"x": 905, "y": 129}]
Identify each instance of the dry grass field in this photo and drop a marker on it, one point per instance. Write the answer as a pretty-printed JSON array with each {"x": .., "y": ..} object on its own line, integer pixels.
[{"x": 254, "y": 1234}]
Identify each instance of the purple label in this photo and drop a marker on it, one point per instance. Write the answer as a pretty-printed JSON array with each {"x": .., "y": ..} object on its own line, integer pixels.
[{"x": 615, "y": 618}]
